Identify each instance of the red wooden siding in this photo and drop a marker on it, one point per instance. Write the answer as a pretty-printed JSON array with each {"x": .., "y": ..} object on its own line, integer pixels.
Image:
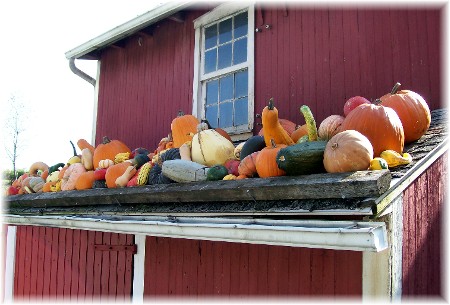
[
  {"x": 62, "y": 264},
  {"x": 4, "y": 233},
  {"x": 319, "y": 57},
  {"x": 423, "y": 206},
  {"x": 183, "y": 267}
]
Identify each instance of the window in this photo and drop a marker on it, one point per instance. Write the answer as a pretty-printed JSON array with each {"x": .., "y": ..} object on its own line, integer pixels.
[{"x": 223, "y": 76}]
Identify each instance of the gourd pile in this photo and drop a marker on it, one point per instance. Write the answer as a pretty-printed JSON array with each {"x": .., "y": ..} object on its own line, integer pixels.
[{"x": 370, "y": 136}]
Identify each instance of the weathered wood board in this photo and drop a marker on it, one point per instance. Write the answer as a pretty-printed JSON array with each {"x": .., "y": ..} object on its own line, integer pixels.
[{"x": 361, "y": 184}]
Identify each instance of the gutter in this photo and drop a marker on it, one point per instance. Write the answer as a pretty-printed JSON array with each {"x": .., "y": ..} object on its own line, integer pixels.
[
  {"x": 338, "y": 235},
  {"x": 80, "y": 73}
]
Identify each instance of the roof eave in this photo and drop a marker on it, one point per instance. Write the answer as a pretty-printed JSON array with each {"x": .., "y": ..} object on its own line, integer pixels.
[{"x": 127, "y": 29}]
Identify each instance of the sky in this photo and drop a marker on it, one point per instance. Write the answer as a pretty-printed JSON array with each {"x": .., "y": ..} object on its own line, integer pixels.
[{"x": 58, "y": 105}]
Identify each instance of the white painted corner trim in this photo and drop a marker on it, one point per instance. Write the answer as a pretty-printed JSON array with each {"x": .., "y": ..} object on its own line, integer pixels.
[
  {"x": 338, "y": 235},
  {"x": 10, "y": 264},
  {"x": 139, "y": 269}
]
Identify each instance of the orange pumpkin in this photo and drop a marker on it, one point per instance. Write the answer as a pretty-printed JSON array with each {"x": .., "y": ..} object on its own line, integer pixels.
[
  {"x": 183, "y": 127},
  {"x": 85, "y": 181},
  {"x": 115, "y": 171},
  {"x": 347, "y": 151},
  {"x": 412, "y": 110},
  {"x": 266, "y": 161},
  {"x": 108, "y": 149},
  {"x": 48, "y": 186},
  {"x": 247, "y": 166},
  {"x": 381, "y": 125},
  {"x": 272, "y": 127},
  {"x": 330, "y": 126}
]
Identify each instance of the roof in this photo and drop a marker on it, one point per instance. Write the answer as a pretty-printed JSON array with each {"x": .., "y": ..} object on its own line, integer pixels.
[{"x": 126, "y": 29}]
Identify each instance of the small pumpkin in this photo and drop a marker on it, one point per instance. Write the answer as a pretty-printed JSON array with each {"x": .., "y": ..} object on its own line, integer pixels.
[
  {"x": 86, "y": 180},
  {"x": 381, "y": 125},
  {"x": 347, "y": 151},
  {"x": 108, "y": 149},
  {"x": 272, "y": 127},
  {"x": 330, "y": 126},
  {"x": 216, "y": 172},
  {"x": 105, "y": 163},
  {"x": 183, "y": 127},
  {"x": 247, "y": 166},
  {"x": 412, "y": 109},
  {"x": 266, "y": 161},
  {"x": 115, "y": 171}
]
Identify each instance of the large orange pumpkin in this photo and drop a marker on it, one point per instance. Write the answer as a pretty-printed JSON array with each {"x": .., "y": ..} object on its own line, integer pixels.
[
  {"x": 381, "y": 125},
  {"x": 266, "y": 161},
  {"x": 108, "y": 149},
  {"x": 347, "y": 151},
  {"x": 183, "y": 127},
  {"x": 412, "y": 110}
]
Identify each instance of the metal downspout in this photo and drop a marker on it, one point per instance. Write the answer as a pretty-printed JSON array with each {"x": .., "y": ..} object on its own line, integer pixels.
[{"x": 80, "y": 73}]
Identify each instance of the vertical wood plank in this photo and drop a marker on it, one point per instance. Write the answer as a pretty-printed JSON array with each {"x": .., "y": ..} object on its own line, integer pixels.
[
  {"x": 20, "y": 262},
  {"x": 129, "y": 269},
  {"x": 68, "y": 265},
  {"x": 34, "y": 261},
  {"x": 40, "y": 262},
  {"x": 97, "y": 267},
  {"x": 121, "y": 262},
  {"x": 75, "y": 265},
  {"x": 47, "y": 262},
  {"x": 83, "y": 254}
]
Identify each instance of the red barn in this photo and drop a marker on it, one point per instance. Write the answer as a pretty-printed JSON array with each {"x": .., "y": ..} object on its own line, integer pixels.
[{"x": 363, "y": 236}]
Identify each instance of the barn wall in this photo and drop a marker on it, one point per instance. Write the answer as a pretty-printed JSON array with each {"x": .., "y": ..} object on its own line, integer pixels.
[
  {"x": 317, "y": 57},
  {"x": 182, "y": 267},
  {"x": 62, "y": 264},
  {"x": 423, "y": 206}
]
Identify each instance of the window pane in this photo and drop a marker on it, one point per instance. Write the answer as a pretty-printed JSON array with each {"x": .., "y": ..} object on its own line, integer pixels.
[
  {"x": 240, "y": 25},
  {"x": 210, "y": 37},
  {"x": 226, "y": 88},
  {"x": 211, "y": 115},
  {"x": 212, "y": 92},
  {"x": 240, "y": 51},
  {"x": 241, "y": 84},
  {"x": 224, "y": 56},
  {"x": 210, "y": 60},
  {"x": 226, "y": 115},
  {"x": 241, "y": 112},
  {"x": 225, "y": 30}
]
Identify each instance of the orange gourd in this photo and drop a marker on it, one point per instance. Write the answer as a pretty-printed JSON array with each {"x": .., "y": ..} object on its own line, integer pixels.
[
  {"x": 108, "y": 149},
  {"x": 412, "y": 110},
  {"x": 85, "y": 181},
  {"x": 82, "y": 144},
  {"x": 287, "y": 125},
  {"x": 381, "y": 125},
  {"x": 299, "y": 132},
  {"x": 266, "y": 161},
  {"x": 272, "y": 127},
  {"x": 183, "y": 127}
]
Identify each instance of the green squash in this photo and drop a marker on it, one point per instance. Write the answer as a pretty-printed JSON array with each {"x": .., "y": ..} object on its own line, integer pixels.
[
  {"x": 216, "y": 172},
  {"x": 302, "y": 159},
  {"x": 254, "y": 143}
]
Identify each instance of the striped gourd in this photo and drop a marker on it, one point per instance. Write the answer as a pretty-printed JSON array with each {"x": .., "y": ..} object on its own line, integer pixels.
[{"x": 143, "y": 173}]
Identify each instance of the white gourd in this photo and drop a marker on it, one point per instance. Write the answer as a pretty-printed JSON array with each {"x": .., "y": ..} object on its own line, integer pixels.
[{"x": 210, "y": 148}]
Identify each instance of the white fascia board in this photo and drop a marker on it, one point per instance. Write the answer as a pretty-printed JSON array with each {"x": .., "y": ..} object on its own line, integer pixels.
[
  {"x": 339, "y": 235},
  {"x": 128, "y": 28}
]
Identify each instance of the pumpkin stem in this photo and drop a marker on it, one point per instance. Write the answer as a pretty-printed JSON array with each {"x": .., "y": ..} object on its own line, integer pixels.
[
  {"x": 180, "y": 113},
  {"x": 271, "y": 105},
  {"x": 106, "y": 140},
  {"x": 377, "y": 101},
  {"x": 206, "y": 122},
  {"x": 395, "y": 88},
  {"x": 74, "y": 149}
]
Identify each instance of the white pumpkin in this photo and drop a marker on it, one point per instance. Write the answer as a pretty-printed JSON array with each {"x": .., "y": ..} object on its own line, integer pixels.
[
  {"x": 210, "y": 148},
  {"x": 52, "y": 177}
]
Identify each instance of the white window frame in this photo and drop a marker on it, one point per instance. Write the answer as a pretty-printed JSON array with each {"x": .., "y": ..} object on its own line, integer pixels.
[{"x": 224, "y": 11}]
